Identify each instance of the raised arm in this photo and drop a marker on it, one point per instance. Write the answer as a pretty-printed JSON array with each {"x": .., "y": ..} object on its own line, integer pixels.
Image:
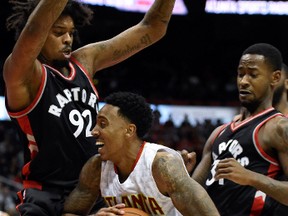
[
  {"x": 150, "y": 29},
  {"x": 22, "y": 73},
  {"x": 173, "y": 180}
]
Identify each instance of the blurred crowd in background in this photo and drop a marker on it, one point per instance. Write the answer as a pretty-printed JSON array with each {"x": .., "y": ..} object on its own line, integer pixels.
[{"x": 11, "y": 162}]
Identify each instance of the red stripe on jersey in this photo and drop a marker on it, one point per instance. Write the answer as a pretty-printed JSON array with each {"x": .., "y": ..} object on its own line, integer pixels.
[
  {"x": 234, "y": 127},
  {"x": 258, "y": 145},
  {"x": 86, "y": 73},
  {"x": 25, "y": 125},
  {"x": 36, "y": 99},
  {"x": 32, "y": 184},
  {"x": 21, "y": 200},
  {"x": 258, "y": 204}
]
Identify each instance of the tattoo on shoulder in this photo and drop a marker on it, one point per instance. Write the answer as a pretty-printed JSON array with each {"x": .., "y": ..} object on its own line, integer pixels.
[{"x": 168, "y": 168}]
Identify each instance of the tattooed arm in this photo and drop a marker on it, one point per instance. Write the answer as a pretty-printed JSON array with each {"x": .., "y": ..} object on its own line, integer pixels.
[
  {"x": 187, "y": 195},
  {"x": 84, "y": 196}
]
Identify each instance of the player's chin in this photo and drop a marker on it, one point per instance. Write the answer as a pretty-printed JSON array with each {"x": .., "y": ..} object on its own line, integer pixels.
[
  {"x": 102, "y": 153},
  {"x": 245, "y": 102},
  {"x": 103, "y": 157}
]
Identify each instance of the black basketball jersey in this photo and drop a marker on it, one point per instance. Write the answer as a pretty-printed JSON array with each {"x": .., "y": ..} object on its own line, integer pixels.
[
  {"x": 56, "y": 128},
  {"x": 241, "y": 142}
]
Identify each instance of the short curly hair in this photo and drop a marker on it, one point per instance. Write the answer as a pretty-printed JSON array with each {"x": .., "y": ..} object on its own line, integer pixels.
[
  {"x": 80, "y": 13},
  {"x": 134, "y": 108},
  {"x": 273, "y": 56}
]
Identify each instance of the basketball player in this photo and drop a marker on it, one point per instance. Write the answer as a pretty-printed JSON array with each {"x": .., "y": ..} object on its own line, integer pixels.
[
  {"x": 51, "y": 97},
  {"x": 244, "y": 166},
  {"x": 139, "y": 174},
  {"x": 280, "y": 103}
]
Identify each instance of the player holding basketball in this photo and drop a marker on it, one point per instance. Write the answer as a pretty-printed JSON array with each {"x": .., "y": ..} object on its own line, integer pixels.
[{"x": 129, "y": 170}]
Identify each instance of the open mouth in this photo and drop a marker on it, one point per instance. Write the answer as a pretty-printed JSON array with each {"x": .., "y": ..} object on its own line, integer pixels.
[
  {"x": 67, "y": 54},
  {"x": 244, "y": 92},
  {"x": 99, "y": 144}
]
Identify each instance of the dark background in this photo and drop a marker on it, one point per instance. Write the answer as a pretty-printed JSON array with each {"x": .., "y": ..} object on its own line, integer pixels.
[{"x": 195, "y": 63}]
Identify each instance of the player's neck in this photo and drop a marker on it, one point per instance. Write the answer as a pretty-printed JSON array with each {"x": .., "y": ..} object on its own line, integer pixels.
[{"x": 62, "y": 66}]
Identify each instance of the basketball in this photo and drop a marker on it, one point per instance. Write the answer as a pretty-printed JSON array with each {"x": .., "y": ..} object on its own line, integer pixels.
[{"x": 129, "y": 211}]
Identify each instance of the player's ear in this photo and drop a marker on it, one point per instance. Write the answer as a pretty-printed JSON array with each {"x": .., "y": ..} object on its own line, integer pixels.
[
  {"x": 276, "y": 77},
  {"x": 131, "y": 130}
]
